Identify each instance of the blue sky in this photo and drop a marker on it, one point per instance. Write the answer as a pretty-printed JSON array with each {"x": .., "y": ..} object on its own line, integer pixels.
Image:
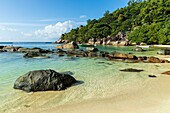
[{"x": 46, "y": 20}]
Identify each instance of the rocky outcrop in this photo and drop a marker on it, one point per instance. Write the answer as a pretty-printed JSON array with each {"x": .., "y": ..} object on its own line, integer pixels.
[
  {"x": 71, "y": 45},
  {"x": 44, "y": 80},
  {"x": 119, "y": 40}
]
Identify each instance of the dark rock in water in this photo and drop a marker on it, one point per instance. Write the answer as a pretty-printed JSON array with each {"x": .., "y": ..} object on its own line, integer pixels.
[
  {"x": 1, "y": 47},
  {"x": 132, "y": 70},
  {"x": 34, "y": 54},
  {"x": 152, "y": 76},
  {"x": 44, "y": 80},
  {"x": 166, "y": 73}
]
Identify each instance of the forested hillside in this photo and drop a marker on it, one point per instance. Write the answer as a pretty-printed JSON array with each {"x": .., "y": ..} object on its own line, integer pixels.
[{"x": 143, "y": 21}]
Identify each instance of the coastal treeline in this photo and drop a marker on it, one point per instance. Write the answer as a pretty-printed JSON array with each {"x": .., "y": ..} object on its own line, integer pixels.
[{"x": 146, "y": 21}]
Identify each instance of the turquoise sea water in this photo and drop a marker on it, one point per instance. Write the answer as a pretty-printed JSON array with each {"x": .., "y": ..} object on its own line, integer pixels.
[{"x": 99, "y": 78}]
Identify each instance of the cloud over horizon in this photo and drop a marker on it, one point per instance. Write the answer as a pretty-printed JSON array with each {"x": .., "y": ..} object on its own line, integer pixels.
[
  {"x": 55, "y": 31},
  {"x": 6, "y": 28},
  {"x": 30, "y": 32}
]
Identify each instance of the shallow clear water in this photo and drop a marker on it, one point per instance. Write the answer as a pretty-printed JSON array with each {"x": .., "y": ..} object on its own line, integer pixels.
[{"x": 99, "y": 78}]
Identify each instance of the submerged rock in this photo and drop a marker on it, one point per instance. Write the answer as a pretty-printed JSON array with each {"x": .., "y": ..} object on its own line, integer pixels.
[
  {"x": 132, "y": 70},
  {"x": 34, "y": 54},
  {"x": 43, "y": 80}
]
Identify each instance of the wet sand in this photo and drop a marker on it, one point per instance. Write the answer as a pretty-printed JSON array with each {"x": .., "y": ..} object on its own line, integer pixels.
[{"x": 153, "y": 97}]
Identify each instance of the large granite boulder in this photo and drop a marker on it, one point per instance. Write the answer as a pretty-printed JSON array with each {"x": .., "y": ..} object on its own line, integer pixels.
[
  {"x": 43, "y": 80},
  {"x": 71, "y": 45}
]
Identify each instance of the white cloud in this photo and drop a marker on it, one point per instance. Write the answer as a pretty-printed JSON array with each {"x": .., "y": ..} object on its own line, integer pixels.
[
  {"x": 83, "y": 16},
  {"x": 22, "y": 24},
  {"x": 55, "y": 31},
  {"x": 5, "y": 28}
]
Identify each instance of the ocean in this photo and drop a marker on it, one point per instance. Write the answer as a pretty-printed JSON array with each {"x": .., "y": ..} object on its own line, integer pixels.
[{"x": 100, "y": 78}]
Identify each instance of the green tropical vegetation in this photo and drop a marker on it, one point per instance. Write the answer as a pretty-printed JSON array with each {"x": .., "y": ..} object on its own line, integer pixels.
[{"x": 145, "y": 21}]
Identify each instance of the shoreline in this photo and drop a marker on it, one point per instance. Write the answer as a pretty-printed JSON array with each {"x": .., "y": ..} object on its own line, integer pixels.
[{"x": 152, "y": 98}]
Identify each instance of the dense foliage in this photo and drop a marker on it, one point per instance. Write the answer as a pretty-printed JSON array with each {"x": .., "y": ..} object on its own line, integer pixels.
[{"x": 144, "y": 21}]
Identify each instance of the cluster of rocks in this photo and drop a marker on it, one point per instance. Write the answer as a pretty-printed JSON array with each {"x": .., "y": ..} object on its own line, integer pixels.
[
  {"x": 119, "y": 40},
  {"x": 21, "y": 49},
  {"x": 28, "y": 52},
  {"x": 94, "y": 52}
]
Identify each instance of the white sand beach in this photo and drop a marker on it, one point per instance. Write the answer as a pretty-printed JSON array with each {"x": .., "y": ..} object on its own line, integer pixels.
[{"x": 153, "y": 97}]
